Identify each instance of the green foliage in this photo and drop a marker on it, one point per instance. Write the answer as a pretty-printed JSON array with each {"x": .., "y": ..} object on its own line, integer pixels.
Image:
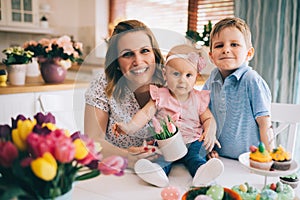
[
  {"x": 204, "y": 37},
  {"x": 17, "y": 55}
]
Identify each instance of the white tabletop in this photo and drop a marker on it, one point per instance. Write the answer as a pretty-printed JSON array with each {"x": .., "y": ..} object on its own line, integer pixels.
[{"x": 130, "y": 186}]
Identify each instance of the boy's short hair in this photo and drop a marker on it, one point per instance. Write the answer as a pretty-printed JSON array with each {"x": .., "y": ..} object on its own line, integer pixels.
[{"x": 232, "y": 22}]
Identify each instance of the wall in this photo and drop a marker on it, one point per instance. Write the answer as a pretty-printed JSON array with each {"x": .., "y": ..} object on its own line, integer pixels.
[{"x": 71, "y": 17}]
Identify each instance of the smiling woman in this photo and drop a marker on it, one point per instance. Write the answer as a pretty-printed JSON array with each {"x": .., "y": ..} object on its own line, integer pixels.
[{"x": 133, "y": 61}]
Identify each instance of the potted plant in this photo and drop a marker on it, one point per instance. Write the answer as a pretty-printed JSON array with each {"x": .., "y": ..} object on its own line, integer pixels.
[
  {"x": 55, "y": 56},
  {"x": 39, "y": 160},
  {"x": 169, "y": 138},
  {"x": 44, "y": 22},
  {"x": 16, "y": 61}
]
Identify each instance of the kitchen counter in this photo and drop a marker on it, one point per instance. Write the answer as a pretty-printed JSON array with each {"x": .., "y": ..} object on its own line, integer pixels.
[{"x": 38, "y": 85}]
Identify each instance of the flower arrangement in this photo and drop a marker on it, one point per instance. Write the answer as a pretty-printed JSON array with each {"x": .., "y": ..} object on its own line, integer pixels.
[
  {"x": 164, "y": 128},
  {"x": 62, "y": 49},
  {"x": 17, "y": 55},
  {"x": 40, "y": 161}
]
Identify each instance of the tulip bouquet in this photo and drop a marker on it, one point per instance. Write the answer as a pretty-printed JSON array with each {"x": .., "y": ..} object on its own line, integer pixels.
[
  {"x": 40, "y": 161},
  {"x": 164, "y": 128}
]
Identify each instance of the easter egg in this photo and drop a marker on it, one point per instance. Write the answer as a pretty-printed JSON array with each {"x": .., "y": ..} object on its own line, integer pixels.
[
  {"x": 253, "y": 148},
  {"x": 216, "y": 192},
  {"x": 243, "y": 188},
  {"x": 170, "y": 193},
  {"x": 261, "y": 147}
]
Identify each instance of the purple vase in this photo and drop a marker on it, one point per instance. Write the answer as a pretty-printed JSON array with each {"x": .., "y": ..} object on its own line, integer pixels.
[{"x": 52, "y": 72}]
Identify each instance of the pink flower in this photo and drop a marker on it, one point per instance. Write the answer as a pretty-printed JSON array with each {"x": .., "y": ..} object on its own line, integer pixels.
[
  {"x": 30, "y": 43},
  {"x": 38, "y": 145},
  {"x": 45, "y": 42},
  {"x": 171, "y": 127},
  {"x": 113, "y": 165},
  {"x": 156, "y": 125},
  {"x": 8, "y": 153},
  {"x": 64, "y": 151}
]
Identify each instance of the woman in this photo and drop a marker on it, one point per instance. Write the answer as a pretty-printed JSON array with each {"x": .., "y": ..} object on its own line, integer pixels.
[{"x": 133, "y": 61}]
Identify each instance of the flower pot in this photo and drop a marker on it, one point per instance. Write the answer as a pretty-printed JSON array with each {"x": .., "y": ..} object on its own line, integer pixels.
[
  {"x": 33, "y": 68},
  {"x": 17, "y": 74},
  {"x": 172, "y": 148},
  {"x": 52, "y": 72}
]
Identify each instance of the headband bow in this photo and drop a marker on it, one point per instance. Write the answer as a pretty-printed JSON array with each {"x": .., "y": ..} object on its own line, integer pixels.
[{"x": 193, "y": 57}]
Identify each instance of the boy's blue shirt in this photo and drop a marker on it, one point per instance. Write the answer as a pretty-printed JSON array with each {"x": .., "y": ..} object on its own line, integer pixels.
[{"x": 236, "y": 104}]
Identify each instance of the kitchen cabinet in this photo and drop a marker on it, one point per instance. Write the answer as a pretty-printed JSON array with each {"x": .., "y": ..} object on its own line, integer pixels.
[
  {"x": 67, "y": 105},
  {"x": 21, "y": 16}
]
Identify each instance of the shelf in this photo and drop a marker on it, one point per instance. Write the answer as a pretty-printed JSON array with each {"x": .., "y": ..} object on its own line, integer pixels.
[{"x": 33, "y": 30}]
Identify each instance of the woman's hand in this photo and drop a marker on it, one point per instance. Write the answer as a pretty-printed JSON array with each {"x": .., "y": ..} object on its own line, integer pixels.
[{"x": 137, "y": 153}]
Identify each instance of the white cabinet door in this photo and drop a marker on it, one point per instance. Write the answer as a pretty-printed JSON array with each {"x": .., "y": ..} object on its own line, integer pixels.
[
  {"x": 67, "y": 106},
  {"x": 12, "y": 105},
  {"x": 22, "y": 13}
]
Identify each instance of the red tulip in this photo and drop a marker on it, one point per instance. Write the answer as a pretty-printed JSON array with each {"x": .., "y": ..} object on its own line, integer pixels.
[
  {"x": 8, "y": 153},
  {"x": 38, "y": 145}
]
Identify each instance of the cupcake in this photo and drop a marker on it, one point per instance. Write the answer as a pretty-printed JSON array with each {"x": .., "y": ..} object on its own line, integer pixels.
[
  {"x": 291, "y": 180},
  {"x": 267, "y": 194},
  {"x": 246, "y": 191},
  {"x": 260, "y": 158},
  {"x": 283, "y": 191},
  {"x": 282, "y": 159}
]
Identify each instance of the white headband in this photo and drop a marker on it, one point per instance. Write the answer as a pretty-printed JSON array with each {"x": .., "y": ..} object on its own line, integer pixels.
[{"x": 193, "y": 57}]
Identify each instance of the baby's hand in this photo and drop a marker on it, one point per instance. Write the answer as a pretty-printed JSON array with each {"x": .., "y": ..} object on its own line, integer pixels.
[
  {"x": 210, "y": 141},
  {"x": 118, "y": 128}
]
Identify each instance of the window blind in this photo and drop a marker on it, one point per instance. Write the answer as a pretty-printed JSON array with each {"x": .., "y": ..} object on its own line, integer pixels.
[
  {"x": 162, "y": 14},
  {"x": 213, "y": 10},
  {"x": 175, "y": 15}
]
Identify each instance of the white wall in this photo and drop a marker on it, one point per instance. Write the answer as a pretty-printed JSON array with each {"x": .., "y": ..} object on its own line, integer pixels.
[{"x": 71, "y": 17}]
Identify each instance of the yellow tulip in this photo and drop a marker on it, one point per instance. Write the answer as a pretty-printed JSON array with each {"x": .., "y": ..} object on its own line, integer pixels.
[
  {"x": 81, "y": 151},
  {"x": 44, "y": 167},
  {"x": 50, "y": 126},
  {"x": 20, "y": 134}
]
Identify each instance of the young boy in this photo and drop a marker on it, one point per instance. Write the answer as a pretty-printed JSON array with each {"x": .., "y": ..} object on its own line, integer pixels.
[{"x": 240, "y": 98}]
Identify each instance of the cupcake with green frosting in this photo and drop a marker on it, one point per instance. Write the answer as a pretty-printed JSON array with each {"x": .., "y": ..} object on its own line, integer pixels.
[
  {"x": 291, "y": 180},
  {"x": 284, "y": 191},
  {"x": 246, "y": 191}
]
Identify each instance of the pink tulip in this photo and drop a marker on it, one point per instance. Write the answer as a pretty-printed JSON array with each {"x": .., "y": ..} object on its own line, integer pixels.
[
  {"x": 113, "y": 165},
  {"x": 64, "y": 151},
  {"x": 156, "y": 125},
  {"x": 89, "y": 158},
  {"x": 8, "y": 153},
  {"x": 171, "y": 127}
]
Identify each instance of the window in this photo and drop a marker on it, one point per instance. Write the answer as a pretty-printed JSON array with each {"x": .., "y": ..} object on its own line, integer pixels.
[
  {"x": 175, "y": 15},
  {"x": 213, "y": 10},
  {"x": 163, "y": 14}
]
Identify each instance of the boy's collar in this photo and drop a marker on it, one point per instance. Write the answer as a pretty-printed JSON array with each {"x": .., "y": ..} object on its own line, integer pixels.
[{"x": 240, "y": 71}]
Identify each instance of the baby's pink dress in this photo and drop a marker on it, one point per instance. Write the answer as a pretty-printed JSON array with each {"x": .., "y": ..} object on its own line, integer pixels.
[{"x": 189, "y": 120}]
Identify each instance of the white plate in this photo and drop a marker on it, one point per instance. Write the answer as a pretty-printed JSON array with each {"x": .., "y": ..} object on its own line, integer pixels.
[{"x": 244, "y": 159}]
